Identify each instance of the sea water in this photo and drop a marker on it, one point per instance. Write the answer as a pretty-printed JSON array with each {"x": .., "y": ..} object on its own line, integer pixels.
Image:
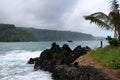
[{"x": 14, "y": 57}]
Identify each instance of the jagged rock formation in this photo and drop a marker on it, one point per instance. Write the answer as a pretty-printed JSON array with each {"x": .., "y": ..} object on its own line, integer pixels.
[
  {"x": 59, "y": 61},
  {"x": 56, "y": 55}
]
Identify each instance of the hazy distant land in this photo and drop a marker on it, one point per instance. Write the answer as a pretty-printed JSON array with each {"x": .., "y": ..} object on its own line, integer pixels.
[{"x": 11, "y": 33}]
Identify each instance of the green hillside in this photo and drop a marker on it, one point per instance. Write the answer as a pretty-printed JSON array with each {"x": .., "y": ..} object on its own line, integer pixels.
[
  {"x": 53, "y": 35},
  {"x": 9, "y": 33}
]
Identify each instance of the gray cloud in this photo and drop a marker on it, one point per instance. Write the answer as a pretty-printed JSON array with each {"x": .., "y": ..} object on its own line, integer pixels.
[
  {"x": 43, "y": 13},
  {"x": 52, "y": 14}
]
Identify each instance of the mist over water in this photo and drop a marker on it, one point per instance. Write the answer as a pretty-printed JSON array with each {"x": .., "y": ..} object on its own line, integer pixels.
[{"x": 14, "y": 57}]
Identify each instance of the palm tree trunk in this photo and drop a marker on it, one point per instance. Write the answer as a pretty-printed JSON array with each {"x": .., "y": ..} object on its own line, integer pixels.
[
  {"x": 118, "y": 33},
  {"x": 115, "y": 33}
]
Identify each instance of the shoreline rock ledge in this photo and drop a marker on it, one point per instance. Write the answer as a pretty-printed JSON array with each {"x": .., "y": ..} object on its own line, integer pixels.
[{"x": 60, "y": 62}]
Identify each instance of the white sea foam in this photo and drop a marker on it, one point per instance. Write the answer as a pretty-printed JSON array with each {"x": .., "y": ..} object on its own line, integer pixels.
[{"x": 13, "y": 66}]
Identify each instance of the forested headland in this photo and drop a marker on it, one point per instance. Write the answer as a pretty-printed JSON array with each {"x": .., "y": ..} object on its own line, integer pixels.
[{"x": 11, "y": 33}]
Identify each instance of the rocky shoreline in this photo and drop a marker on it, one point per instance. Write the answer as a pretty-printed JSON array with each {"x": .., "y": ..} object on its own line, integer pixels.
[{"x": 59, "y": 61}]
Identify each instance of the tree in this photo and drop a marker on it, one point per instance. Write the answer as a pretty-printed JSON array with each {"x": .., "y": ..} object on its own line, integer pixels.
[{"x": 110, "y": 21}]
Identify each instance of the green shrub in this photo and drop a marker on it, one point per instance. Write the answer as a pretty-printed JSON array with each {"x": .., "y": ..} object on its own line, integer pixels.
[
  {"x": 115, "y": 65},
  {"x": 113, "y": 41}
]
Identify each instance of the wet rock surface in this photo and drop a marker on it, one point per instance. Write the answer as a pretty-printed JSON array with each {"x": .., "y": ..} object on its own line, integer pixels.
[
  {"x": 73, "y": 72},
  {"x": 56, "y": 55},
  {"x": 59, "y": 61},
  {"x": 32, "y": 60}
]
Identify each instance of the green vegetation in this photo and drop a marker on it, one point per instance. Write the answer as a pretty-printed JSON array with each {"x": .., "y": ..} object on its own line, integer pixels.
[
  {"x": 113, "y": 41},
  {"x": 9, "y": 33},
  {"x": 107, "y": 56},
  {"x": 110, "y": 21},
  {"x": 54, "y": 35}
]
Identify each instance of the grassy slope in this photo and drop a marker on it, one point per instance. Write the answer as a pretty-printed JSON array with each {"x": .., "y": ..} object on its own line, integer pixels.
[{"x": 107, "y": 56}]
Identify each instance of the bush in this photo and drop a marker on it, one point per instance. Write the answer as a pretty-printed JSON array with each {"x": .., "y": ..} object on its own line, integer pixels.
[
  {"x": 115, "y": 65},
  {"x": 113, "y": 41}
]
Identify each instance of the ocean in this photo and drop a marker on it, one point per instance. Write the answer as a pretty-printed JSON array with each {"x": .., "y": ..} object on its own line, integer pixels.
[{"x": 14, "y": 57}]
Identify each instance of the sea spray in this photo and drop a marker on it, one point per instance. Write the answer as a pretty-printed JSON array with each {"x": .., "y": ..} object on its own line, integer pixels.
[
  {"x": 15, "y": 55},
  {"x": 13, "y": 66}
]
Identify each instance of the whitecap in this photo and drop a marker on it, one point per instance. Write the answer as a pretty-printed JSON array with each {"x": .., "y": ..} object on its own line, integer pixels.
[{"x": 13, "y": 66}]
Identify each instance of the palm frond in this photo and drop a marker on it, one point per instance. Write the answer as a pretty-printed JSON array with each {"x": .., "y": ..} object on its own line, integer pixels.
[
  {"x": 114, "y": 6},
  {"x": 97, "y": 21},
  {"x": 101, "y": 16},
  {"x": 114, "y": 18},
  {"x": 110, "y": 21}
]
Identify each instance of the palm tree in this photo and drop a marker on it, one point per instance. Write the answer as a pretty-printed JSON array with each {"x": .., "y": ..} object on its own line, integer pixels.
[{"x": 110, "y": 21}]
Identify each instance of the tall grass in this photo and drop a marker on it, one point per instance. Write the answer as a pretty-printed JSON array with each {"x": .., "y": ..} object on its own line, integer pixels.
[{"x": 107, "y": 56}]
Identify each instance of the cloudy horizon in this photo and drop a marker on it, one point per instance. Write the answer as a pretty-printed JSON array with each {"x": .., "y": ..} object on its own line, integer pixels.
[{"x": 64, "y": 15}]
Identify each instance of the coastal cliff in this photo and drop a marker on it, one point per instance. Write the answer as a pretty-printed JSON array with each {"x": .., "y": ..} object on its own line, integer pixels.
[{"x": 9, "y": 33}]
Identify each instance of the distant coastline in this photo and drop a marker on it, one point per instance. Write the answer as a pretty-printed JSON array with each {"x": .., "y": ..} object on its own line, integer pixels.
[{"x": 11, "y": 33}]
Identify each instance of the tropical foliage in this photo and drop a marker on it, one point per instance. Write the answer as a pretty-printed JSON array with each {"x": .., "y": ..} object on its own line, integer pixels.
[
  {"x": 110, "y": 21},
  {"x": 113, "y": 41}
]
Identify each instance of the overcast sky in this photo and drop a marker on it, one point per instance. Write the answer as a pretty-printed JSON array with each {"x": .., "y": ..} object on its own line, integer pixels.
[{"x": 54, "y": 14}]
